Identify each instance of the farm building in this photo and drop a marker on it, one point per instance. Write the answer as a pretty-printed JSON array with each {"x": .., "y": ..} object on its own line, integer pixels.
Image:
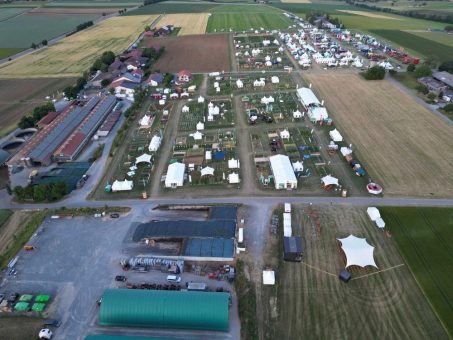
[
  {"x": 69, "y": 173},
  {"x": 126, "y": 90},
  {"x": 292, "y": 249},
  {"x": 165, "y": 309},
  {"x": 175, "y": 175},
  {"x": 444, "y": 77},
  {"x": 282, "y": 169},
  {"x": 155, "y": 79},
  {"x": 65, "y": 136},
  {"x": 205, "y": 240}
]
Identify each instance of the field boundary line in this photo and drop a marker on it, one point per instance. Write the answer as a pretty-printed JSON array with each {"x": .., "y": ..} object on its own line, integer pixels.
[
  {"x": 319, "y": 270},
  {"x": 378, "y": 272}
]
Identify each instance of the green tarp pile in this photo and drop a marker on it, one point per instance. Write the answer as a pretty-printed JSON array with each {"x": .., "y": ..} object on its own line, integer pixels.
[
  {"x": 26, "y": 298},
  {"x": 38, "y": 307},
  {"x": 21, "y": 306},
  {"x": 42, "y": 298}
]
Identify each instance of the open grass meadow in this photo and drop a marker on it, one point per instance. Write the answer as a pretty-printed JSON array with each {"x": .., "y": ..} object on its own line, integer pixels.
[
  {"x": 424, "y": 46},
  {"x": 75, "y": 54},
  {"x": 7, "y": 52},
  {"x": 241, "y": 17},
  {"x": 173, "y": 7},
  {"x": 440, "y": 37},
  {"x": 7, "y": 13},
  {"x": 310, "y": 302},
  {"x": 423, "y": 236},
  {"x": 21, "y": 31},
  {"x": 4, "y": 215},
  {"x": 95, "y": 3}
]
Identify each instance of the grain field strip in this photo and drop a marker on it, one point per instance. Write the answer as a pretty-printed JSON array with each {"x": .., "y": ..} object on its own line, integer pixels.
[{"x": 190, "y": 23}]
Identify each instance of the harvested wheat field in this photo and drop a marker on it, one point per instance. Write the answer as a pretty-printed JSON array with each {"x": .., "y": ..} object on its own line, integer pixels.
[
  {"x": 75, "y": 54},
  {"x": 368, "y": 14},
  {"x": 190, "y": 23},
  {"x": 402, "y": 145},
  {"x": 197, "y": 53}
]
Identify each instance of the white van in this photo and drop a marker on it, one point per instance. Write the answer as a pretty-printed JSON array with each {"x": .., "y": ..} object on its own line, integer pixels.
[{"x": 173, "y": 278}]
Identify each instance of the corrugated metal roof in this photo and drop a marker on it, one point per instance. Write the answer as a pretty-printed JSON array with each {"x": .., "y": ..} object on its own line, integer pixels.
[
  {"x": 209, "y": 247},
  {"x": 164, "y": 309},
  {"x": 185, "y": 228}
]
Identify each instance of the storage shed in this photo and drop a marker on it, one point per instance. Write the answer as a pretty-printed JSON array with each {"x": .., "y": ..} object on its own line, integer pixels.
[
  {"x": 164, "y": 309},
  {"x": 292, "y": 249}
]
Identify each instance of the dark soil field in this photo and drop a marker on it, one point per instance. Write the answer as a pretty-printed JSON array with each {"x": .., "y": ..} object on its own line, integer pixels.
[
  {"x": 20, "y": 96},
  {"x": 196, "y": 53}
]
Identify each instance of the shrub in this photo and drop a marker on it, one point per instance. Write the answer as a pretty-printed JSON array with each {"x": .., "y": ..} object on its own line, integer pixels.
[
  {"x": 423, "y": 71},
  {"x": 410, "y": 68},
  {"x": 448, "y": 108},
  {"x": 375, "y": 73},
  {"x": 422, "y": 88}
]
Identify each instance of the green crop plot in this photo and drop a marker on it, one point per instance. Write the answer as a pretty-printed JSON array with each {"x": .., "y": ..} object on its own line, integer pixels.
[
  {"x": 440, "y": 37},
  {"x": 6, "y": 52},
  {"x": 95, "y": 3},
  {"x": 7, "y": 13},
  {"x": 241, "y": 18},
  {"x": 169, "y": 8},
  {"x": 21, "y": 31},
  {"x": 424, "y": 46},
  {"x": 423, "y": 236}
]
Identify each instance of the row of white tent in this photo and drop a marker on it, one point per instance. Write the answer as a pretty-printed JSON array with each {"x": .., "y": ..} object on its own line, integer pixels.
[{"x": 375, "y": 216}]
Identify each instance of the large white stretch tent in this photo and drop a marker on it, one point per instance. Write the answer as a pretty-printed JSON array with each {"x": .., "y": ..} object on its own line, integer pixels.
[{"x": 358, "y": 252}]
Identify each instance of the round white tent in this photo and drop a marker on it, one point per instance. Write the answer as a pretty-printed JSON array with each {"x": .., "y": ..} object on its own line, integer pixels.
[{"x": 358, "y": 252}]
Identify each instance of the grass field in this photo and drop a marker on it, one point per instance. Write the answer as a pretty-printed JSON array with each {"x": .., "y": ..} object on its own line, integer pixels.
[
  {"x": 370, "y": 14},
  {"x": 240, "y": 18},
  {"x": 4, "y": 215},
  {"x": 405, "y": 147},
  {"x": 440, "y": 37},
  {"x": 424, "y": 46},
  {"x": 19, "y": 96},
  {"x": 21, "y": 31},
  {"x": 6, "y": 52},
  {"x": 75, "y": 54},
  {"x": 423, "y": 237},
  {"x": 168, "y": 7},
  {"x": 190, "y": 23},
  {"x": 19, "y": 327},
  {"x": 95, "y": 3},
  {"x": 296, "y": 1},
  {"x": 7, "y": 13},
  {"x": 309, "y": 301}
]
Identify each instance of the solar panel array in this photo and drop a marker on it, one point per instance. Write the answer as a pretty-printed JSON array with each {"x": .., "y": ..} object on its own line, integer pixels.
[
  {"x": 101, "y": 111},
  {"x": 59, "y": 133}
]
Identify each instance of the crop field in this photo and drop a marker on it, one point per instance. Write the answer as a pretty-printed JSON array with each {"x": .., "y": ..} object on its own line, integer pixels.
[
  {"x": 405, "y": 147},
  {"x": 95, "y": 3},
  {"x": 190, "y": 52},
  {"x": 440, "y": 37},
  {"x": 221, "y": 22},
  {"x": 190, "y": 23},
  {"x": 7, "y": 13},
  {"x": 20, "y": 96},
  {"x": 424, "y": 46},
  {"x": 370, "y": 14},
  {"x": 168, "y": 7},
  {"x": 296, "y": 1},
  {"x": 75, "y": 54},
  {"x": 422, "y": 235},
  {"x": 72, "y": 11},
  {"x": 6, "y": 52},
  {"x": 22, "y": 30},
  {"x": 309, "y": 302}
]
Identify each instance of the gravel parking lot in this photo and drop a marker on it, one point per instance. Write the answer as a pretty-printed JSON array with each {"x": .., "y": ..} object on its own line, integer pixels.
[{"x": 76, "y": 259}]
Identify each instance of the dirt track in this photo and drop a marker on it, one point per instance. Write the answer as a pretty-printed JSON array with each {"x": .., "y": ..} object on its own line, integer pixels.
[
  {"x": 197, "y": 53},
  {"x": 403, "y": 146}
]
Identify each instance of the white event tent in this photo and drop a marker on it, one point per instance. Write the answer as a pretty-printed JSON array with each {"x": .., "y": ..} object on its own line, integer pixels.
[
  {"x": 175, "y": 175},
  {"x": 282, "y": 169},
  {"x": 358, "y": 252}
]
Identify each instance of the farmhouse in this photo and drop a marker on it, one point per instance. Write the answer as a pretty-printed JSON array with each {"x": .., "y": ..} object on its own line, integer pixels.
[
  {"x": 184, "y": 76},
  {"x": 155, "y": 79},
  {"x": 283, "y": 172},
  {"x": 66, "y": 135},
  {"x": 175, "y": 175},
  {"x": 126, "y": 90}
]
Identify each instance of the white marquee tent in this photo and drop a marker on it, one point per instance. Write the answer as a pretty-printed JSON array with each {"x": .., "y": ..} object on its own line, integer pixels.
[
  {"x": 155, "y": 143},
  {"x": 380, "y": 223},
  {"x": 373, "y": 212},
  {"x": 233, "y": 178},
  {"x": 282, "y": 169},
  {"x": 345, "y": 151},
  {"x": 233, "y": 163},
  {"x": 358, "y": 252},
  {"x": 268, "y": 277},
  {"x": 336, "y": 136},
  {"x": 122, "y": 185},
  {"x": 329, "y": 180},
  {"x": 175, "y": 175},
  {"x": 307, "y": 97},
  {"x": 317, "y": 113},
  {"x": 207, "y": 171}
]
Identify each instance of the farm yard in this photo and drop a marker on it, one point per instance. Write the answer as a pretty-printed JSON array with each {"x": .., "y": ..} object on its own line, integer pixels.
[
  {"x": 75, "y": 54},
  {"x": 404, "y": 146},
  {"x": 190, "y": 52},
  {"x": 19, "y": 96},
  {"x": 384, "y": 302},
  {"x": 229, "y": 84},
  {"x": 190, "y": 23},
  {"x": 421, "y": 235},
  {"x": 35, "y": 27}
]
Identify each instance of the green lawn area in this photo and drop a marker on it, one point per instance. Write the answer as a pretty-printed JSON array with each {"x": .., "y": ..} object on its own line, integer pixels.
[
  {"x": 423, "y": 236},
  {"x": 168, "y": 8},
  {"x": 19, "y": 327},
  {"x": 321, "y": 7},
  {"x": 21, "y": 31},
  {"x": 408, "y": 79},
  {"x": 95, "y": 3},
  {"x": 240, "y": 18},
  {"x": 4, "y": 215},
  {"x": 6, "y": 13},
  {"x": 6, "y": 52},
  {"x": 440, "y": 37},
  {"x": 424, "y": 46}
]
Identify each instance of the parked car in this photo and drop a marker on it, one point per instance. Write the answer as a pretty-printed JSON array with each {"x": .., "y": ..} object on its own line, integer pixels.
[
  {"x": 13, "y": 297},
  {"x": 174, "y": 278},
  {"x": 121, "y": 278},
  {"x": 114, "y": 215},
  {"x": 52, "y": 322}
]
